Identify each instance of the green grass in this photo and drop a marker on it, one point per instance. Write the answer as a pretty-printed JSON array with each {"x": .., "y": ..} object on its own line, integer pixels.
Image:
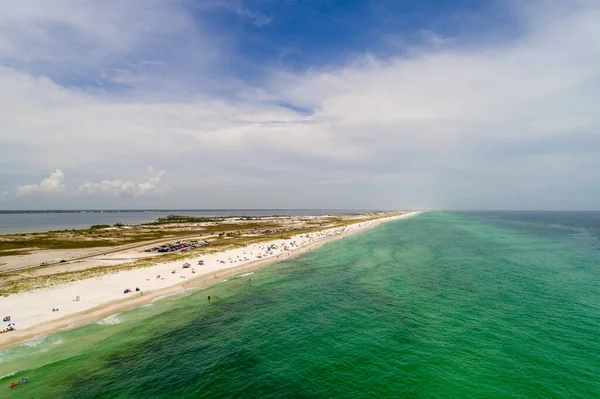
[
  {"x": 183, "y": 219},
  {"x": 15, "y": 252},
  {"x": 23, "y": 246},
  {"x": 99, "y": 226},
  {"x": 24, "y": 281},
  {"x": 99, "y": 236}
]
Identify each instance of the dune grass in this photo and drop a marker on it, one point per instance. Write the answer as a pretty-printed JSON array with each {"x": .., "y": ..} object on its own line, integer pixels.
[
  {"x": 100, "y": 236},
  {"x": 27, "y": 281}
]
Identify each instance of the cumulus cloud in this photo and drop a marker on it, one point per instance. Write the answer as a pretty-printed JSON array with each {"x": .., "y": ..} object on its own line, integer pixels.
[
  {"x": 452, "y": 125},
  {"x": 115, "y": 188},
  {"x": 53, "y": 184},
  {"x": 85, "y": 28},
  {"x": 257, "y": 18}
]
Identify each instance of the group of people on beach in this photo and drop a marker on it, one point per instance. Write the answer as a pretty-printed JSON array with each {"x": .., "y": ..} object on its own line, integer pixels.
[
  {"x": 9, "y": 327},
  {"x": 21, "y": 381},
  {"x": 254, "y": 252}
]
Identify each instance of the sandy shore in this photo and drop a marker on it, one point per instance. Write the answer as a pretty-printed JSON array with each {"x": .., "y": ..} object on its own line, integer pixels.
[{"x": 103, "y": 296}]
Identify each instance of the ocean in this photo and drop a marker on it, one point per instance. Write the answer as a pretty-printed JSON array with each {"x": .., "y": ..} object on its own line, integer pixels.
[
  {"x": 441, "y": 305},
  {"x": 13, "y": 222}
]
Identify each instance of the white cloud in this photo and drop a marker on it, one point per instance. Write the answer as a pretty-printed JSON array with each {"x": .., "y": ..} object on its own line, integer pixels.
[
  {"x": 115, "y": 188},
  {"x": 87, "y": 27},
  {"x": 53, "y": 184},
  {"x": 257, "y": 18},
  {"x": 451, "y": 121}
]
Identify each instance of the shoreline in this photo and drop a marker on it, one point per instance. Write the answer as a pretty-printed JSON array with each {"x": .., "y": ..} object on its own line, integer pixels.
[{"x": 101, "y": 306}]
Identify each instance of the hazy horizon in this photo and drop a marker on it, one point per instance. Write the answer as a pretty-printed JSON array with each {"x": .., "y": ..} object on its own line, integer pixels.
[{"x": 283, "y": 209}]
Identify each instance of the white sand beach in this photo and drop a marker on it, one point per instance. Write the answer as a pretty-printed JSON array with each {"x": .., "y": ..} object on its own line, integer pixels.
[{"x": 89, "y": 300}]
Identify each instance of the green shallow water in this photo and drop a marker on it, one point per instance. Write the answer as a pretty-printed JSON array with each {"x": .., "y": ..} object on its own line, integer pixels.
[{"x": 443, "y": 305}]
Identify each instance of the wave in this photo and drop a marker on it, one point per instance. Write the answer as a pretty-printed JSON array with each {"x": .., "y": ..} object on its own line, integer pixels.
[
  {"x": 158, "y": 298},
  {"x": 246, "y": 274},
  {"x": 182, "y": 294},
  {"x": 35, "y": 341},
  {"x": 110, "y": 320},
  {"x": 8, "y": 375}
]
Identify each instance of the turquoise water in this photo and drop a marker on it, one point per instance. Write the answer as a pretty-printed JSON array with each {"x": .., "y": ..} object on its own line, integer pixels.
[{"x": 443, "y": 305}]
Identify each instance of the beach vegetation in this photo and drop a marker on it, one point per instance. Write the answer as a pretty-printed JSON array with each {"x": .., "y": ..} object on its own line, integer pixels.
[
  {"x": 99, "y": 226},
  {"x": 223, "y": 236},
  {"x": 170, "y": 219},
  {"x": 105, "y": 237}
]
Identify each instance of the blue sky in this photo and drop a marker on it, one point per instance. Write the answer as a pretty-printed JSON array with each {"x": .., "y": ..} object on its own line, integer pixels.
[
  {"x": 300, "y": 103},
  {"x": 255, "y": 38}
]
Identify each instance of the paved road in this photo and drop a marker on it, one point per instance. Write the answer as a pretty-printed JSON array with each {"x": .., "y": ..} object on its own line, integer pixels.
[{"x": 112, "y": 251}]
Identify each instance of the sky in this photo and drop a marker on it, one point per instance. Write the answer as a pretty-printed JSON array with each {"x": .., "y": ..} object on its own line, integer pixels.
[{"x": 362, "y": 104}]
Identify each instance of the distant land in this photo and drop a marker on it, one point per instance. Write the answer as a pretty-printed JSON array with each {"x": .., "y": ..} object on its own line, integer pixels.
[{"x": 6, "y": 211}]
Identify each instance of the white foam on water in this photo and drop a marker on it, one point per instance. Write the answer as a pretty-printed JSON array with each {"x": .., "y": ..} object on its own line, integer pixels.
[
  {"x": 35, "y": 341},
  {"x": 183, "y": 295},
  {"x": 8, "y": 375},
  {"x": 246, "y": 274},
  {"x": 110, "y": 320},
  {"x": 158, "y": 298}
]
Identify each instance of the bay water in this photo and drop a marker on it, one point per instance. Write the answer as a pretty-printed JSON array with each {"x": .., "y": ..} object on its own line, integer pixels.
[{"x": 18, "y": 222}]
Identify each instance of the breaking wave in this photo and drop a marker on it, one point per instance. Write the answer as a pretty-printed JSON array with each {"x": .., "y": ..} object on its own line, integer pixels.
[{"x": 110, "y": 320}]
